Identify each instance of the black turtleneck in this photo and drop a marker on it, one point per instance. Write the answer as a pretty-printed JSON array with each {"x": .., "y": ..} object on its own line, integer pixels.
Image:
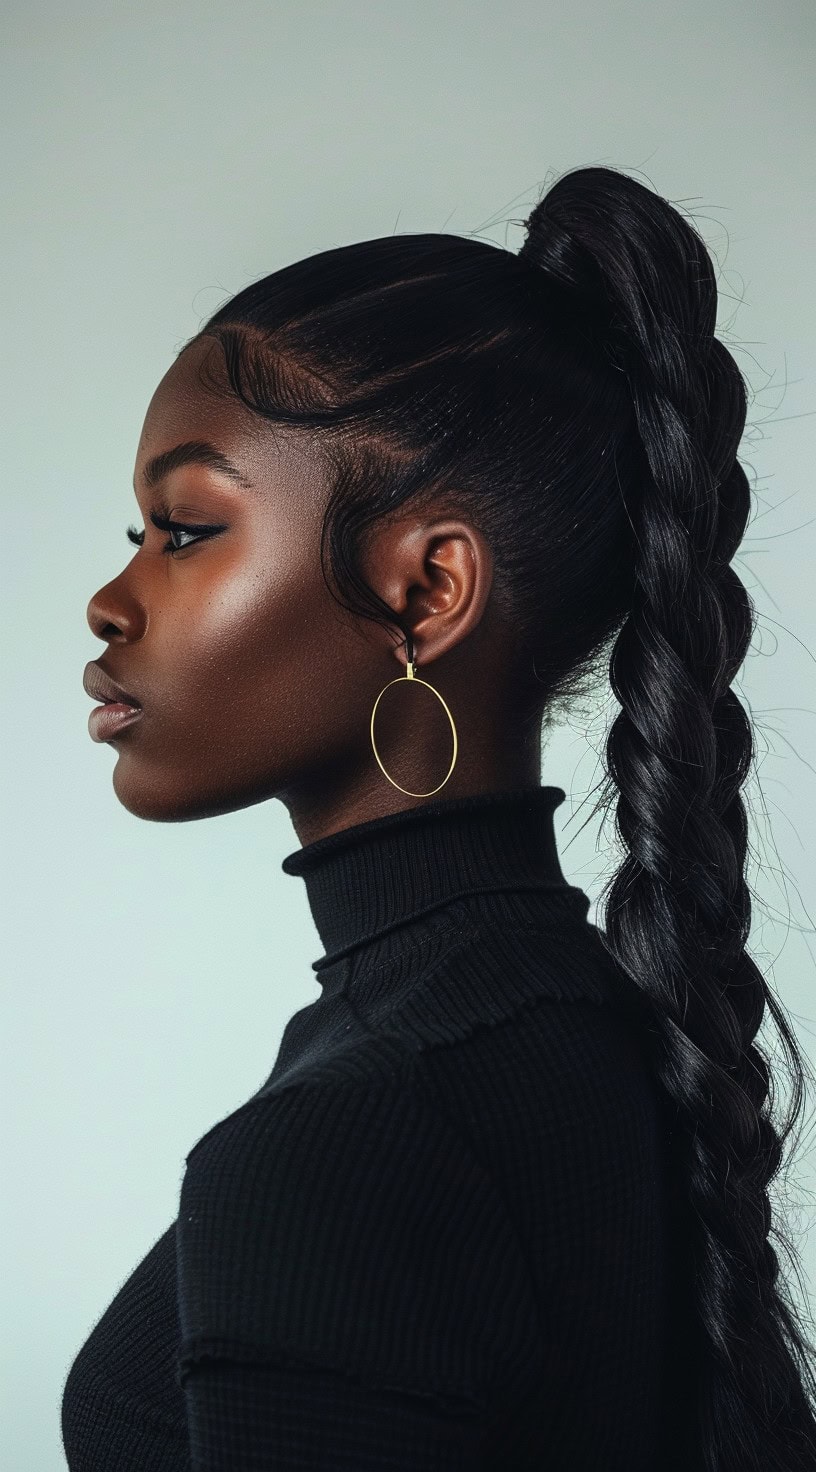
[
  {"x": 379, "y": 876},
  {"x": 438, "y": 1236}
]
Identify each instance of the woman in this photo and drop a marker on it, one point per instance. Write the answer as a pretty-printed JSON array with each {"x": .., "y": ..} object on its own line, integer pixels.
[{"x": 502, "y": 1201}]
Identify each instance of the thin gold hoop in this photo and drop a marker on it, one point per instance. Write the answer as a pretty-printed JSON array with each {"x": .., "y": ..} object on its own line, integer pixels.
[{"x": 410, "y": 674}]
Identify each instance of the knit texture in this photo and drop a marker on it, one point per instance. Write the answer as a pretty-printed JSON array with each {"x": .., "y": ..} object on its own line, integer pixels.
[{"x": 442, "y": 1232}]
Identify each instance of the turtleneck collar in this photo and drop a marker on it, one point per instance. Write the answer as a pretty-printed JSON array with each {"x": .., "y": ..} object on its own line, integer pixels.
[{"x": 369, "y": 879}]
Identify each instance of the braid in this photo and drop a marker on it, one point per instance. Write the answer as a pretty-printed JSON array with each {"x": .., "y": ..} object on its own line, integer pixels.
[{"x": 678, "y": 911}]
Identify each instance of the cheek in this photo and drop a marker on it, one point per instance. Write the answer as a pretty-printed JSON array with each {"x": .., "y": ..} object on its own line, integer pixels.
[{"x": 256, "y": 641}]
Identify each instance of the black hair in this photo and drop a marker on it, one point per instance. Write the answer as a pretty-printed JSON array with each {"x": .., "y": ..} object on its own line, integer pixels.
[{"x": 574, "y": 399}]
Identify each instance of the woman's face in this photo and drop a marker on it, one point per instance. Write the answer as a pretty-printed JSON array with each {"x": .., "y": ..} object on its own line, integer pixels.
[
  {"x": 253, "y": 682},
  {"x": 232, "y": 645}
]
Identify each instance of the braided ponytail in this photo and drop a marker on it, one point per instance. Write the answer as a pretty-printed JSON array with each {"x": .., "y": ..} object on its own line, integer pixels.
[{"x": 678, "y": 911}]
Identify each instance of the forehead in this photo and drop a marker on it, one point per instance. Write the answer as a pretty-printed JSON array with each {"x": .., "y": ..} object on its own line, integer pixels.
[
  {"x": 193, "y": 400},
  {"x": 193, "y": 403}
]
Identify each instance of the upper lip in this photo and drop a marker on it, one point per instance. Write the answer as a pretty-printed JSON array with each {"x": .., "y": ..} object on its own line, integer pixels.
[{"x": 100, "y": 686}]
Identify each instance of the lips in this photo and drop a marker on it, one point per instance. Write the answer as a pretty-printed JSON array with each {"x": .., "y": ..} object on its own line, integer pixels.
[{"x": 100, "y": 686}]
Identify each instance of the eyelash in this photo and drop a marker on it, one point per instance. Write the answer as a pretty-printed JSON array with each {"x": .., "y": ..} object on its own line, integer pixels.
[{"x": 166, "y": 525}]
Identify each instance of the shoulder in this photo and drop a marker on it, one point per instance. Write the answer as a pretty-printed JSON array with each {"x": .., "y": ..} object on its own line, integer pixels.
[{"x": 349, "y": 1225}]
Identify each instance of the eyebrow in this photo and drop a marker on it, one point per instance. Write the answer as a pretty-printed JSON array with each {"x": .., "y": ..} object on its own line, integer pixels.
[{"x": 192, "y": 452}]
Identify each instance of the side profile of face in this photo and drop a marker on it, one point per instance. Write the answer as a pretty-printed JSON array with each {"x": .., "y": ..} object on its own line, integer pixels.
[{"x": 254, "y": 682}]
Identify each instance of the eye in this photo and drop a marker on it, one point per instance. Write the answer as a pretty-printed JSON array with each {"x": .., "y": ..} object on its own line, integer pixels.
[{"x": 177, "y": 528}]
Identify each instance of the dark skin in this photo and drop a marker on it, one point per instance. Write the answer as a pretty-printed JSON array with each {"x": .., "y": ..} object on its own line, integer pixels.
[{"x": 254, "y": 682}]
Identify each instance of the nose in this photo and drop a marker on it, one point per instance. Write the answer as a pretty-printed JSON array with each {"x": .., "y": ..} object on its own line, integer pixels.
[{"x": 114, "y": 616}]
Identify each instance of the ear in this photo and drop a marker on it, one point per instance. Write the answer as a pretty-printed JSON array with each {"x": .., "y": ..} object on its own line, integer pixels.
[{"x": 436, "y": 574}]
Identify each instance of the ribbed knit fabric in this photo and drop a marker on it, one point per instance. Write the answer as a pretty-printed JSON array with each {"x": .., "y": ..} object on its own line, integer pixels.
[{"x": 440, "y": 1235}]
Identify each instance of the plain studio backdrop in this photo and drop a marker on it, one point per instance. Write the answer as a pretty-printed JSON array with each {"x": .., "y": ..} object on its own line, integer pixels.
[{"x": 155, "y": 159}]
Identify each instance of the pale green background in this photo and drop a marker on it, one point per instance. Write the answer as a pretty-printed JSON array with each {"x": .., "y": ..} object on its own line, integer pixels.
[{"x": 156, "y": 158}]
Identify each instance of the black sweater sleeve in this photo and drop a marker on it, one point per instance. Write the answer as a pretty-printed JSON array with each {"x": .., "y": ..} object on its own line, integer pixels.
[{"x": 352, "y": 1293}]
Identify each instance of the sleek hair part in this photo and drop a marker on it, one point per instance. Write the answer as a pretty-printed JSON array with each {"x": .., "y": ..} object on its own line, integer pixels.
[{"x": 573, "y": 399}]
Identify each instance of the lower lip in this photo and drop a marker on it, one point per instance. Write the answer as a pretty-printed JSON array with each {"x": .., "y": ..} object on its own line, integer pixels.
[{"x": 107, "y": 721}]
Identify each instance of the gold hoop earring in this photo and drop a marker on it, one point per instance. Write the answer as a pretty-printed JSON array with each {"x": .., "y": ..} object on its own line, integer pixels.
[{"x": 410, "y": 674}]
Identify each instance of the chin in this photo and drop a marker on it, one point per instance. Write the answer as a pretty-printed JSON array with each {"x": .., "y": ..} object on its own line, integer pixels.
[
  {"x": 149, "y": 801},
  {"x": 170, "y": 803}
]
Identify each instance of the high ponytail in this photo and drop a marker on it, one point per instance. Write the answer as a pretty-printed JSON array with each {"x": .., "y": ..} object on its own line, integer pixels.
[
  {"x": 573, "y": 400},
  {"x": 678, "y": 912}
]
